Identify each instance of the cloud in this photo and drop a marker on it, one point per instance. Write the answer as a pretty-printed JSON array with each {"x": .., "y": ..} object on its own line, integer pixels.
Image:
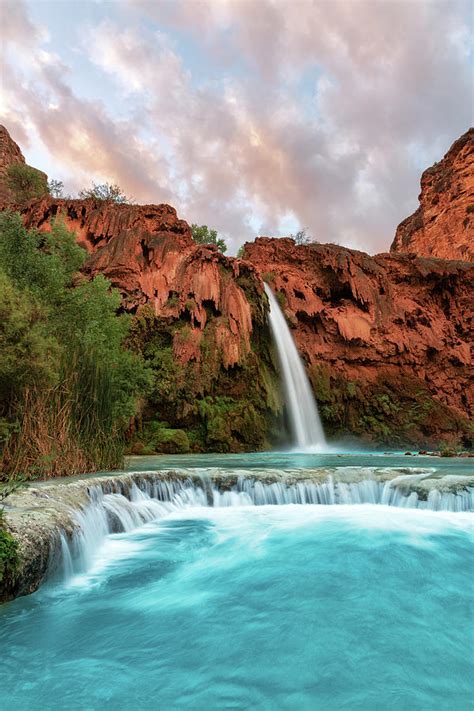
[{"x": 315, "y": 114}]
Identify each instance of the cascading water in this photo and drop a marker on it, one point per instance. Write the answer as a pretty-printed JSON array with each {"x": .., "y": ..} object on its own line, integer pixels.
[
  {"x": 155, "y": 498},
  {"x": 251, "y": 607},
  {"x": 306, "y": 428}
]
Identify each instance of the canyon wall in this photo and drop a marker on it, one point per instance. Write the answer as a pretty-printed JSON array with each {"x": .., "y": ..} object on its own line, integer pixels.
[
  {"x": 443, "y": 224},
  {"x": 10, "y": 154},
  {"x": 386, "y": 339},
  {"x": 199, "y": 318}
]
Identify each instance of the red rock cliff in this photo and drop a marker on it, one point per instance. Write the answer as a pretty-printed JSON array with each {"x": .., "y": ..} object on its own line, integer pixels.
[
  {"x": 443, "y": 225},
  {"x": 147, "y": 253},
  {"x": 386, "y": 338},
  {"x": 388, "y": 325}
]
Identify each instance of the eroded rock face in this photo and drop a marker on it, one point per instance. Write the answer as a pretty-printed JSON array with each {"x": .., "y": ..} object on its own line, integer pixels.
[
  {"x": 10, "y": 154},
  {"x": 443, "y": 225},
  {"x": 386, "y": 339},
  {"x": 149, "y": 255},
  {"x": 199, "y": 320}
]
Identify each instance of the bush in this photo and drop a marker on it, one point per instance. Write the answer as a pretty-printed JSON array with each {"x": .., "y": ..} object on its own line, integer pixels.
[
  {"x": 68, "y": 385},
  {"x": 8, "y": 554},
  {"x": 203, "y": 235},
  {"x": 302, "y": 237},
  {"x": 56, "y": 188},
  {"x": 105, "y": 192},
  {"x": 26, "y": 183}
]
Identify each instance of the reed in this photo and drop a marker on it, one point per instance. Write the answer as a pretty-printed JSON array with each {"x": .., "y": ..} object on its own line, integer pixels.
[{"x": 68, "y": 428}]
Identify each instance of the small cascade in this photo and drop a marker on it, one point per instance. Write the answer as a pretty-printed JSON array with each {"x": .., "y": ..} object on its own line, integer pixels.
[
  {"x": 306, "y": 428},
  {"x": 154, "y": 498}
]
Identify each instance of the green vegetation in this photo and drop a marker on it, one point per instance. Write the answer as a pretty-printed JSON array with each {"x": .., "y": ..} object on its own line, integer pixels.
[
  {"x": 26, "y": 183},
  {"x": 199, "y": 405},
  {"x": 104, "y": 192},
  {"x": 157, "y": 436},
  {"x": 203, "y": 235},
  {"x": 8, "y": 545},
  {"x": 391, "y": 411},
  {"x": 8, "y": 554},
  {"x": 68, "y": 386},
  {"x": 302, "y": 237},
  {"x": 281, "y": 298}
]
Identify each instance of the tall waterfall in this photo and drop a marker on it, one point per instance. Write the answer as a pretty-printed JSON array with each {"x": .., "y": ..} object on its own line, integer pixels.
[{"x": 306, "y": 429}]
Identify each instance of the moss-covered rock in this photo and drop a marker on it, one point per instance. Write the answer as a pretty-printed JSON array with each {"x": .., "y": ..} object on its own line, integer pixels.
[
  {"x": 199, "y": 405},
  {"x": 8, "y": 557},
  {"x": 396, "y": 410}
]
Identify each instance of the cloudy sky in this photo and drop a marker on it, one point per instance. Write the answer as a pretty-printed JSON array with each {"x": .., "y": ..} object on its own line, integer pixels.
[{"x": 251, "y": 116}]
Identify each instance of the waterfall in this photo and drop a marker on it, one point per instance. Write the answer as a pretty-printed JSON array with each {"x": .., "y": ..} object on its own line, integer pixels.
[
  {"x": 306, "y": 429},
  {"x": 154, "y": 498}
]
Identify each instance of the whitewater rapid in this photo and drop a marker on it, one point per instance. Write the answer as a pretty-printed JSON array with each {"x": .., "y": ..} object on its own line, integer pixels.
[{"x": 156, "y": 498}]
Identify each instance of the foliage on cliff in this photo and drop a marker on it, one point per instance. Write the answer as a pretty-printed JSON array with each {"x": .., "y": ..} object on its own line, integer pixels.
[
  {"x": 104, "y": 192},
  {"x": 25, "y": 183},
  {"x": 8, "y": 555},
  {"x": 203, "y": 235},
  {"x": 395, "y": 410},
  {"x": 200, "y": 405},
  {"x": 68, "y": 387}
]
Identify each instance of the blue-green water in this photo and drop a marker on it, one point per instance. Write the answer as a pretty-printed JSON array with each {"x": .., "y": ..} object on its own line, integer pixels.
[
  {"x": 273, "y": 607},
  {"x": 302, "y": 460}
]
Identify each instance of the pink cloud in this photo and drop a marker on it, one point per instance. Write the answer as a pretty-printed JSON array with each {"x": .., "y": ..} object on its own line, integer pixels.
[{"x": 384, "y": 84}]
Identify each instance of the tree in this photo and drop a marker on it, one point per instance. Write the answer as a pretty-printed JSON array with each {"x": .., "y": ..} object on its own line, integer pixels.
[
  {"x": 241, "y": 252},
  {"x": 56, "y": 188},
  {"x": 68, "y": 384},
  {"x": 25, "y": 183},
  {"x": 203, "y": 235},
  {"x": 104, "y": 192},
  {"x": 301, "y": 237}
]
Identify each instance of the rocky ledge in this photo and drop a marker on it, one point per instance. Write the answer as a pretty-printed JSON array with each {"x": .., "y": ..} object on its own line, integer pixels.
[{"x": 45, "y": 517}]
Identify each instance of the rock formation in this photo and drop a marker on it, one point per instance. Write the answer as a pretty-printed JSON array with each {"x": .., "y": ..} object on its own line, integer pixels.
[
  {"x": 199, "y": 318},
  {"x": 386, "y": 338},
  {"x": 149, "y": 255},
  {"x": 443, "y": 225}
]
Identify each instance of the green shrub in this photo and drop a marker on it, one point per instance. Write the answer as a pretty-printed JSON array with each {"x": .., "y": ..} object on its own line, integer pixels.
[
  {"x": 281, "y": 298},
  {"x": 104, "y": 192},
  {"x": 203, "y": 235},
  {"x": 8, "y": 554},
  {"x": 158, "y": 436},
  {"x": 26, "y": 183},
  {"x": 68, "y": 385}
]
